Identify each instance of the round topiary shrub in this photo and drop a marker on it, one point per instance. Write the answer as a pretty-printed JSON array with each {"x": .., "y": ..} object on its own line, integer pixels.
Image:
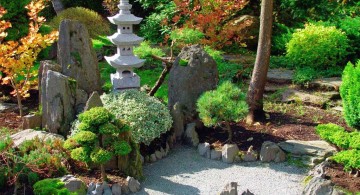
[
  {"x": 51, "y": 186},
  {"x": 148, "y": 117},
  {"x": 225, "y": 104},
  {"x": 317, "y": 46},
  {"x": 350, "y": 94},
  {"x": 95, "y": 24}
]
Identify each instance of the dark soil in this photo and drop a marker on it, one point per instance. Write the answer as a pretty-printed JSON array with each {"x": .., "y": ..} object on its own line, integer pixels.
[
  {"x": 114, "y": 176},
  {"x": 343, "y": 179}
]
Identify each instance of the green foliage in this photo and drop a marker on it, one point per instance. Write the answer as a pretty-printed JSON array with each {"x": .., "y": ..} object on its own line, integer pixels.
[
  {"x": 85, "y": 137},
  {"x": 95, "y": 24},
  {"x": 154, "y": 28},
  {"x": 349, "y": 158},
  {"x": 95, "y": 5},
  {"x": 226, "y": 103},
  {"x": 351, "y": 27},
  {"x": 304, "y": 75},
  {"x": 145, "y": 51},
  {"x": 81, "y": 154},
  {"x": 318, "y": 47},
  {"x": 186, "y": 36},
  {"x": 147, "y": 116},
  {"x": 122, "y": 148},
  {"x": 97, "y": 117},
  {"x": 149, "y": 78},
  {"x": 281, "y": 36},
  {"x": 100, "y": 156},
  {"x": 51, "y": 186},
  {"x": 350, "y": 93}
]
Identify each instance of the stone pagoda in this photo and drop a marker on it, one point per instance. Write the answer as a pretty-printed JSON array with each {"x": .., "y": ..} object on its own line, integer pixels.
[{"x": 124, "y": 60}]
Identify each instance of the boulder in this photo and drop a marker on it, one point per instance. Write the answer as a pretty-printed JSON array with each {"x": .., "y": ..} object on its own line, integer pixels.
[
  {"x": 280, "y": 76},
  {"x": 326, "y": 84},
  {"x": 81, "y": 98},
  {"x": 74, "y": 184},
  {"x": 178, "y": 120},
  {"x": 58, "y": 102},
  {"x": 42, "y": 73},
  {"x": 319, "y": 186},
  {"x": 215, "y": 154},
  {"x": 204, "y": 149},
  {"x": 133, "y": 184},
  {"x": 229, "y": 151},
  {"x": 7, "y": 106},
  {"x": 310, "y": 148},
  {"x": 191, "y": 136},
  {"x": 77, "y": 57},
  {"x": 230, "y": 189},
  {"x": 93, "y": 101},
  {"x": 194, "y": 72},
  {"x": 31, "y": 121},
  {"x": 30, "y": 134},
  {"x": 271, "y": 152},
  {"x": 319, "y": 170},
  {"x": 291, "y": 95},
  {"x": 116, "y": 189}
]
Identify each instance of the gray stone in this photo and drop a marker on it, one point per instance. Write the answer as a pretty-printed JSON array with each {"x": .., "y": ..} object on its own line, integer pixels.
[
  {"x": 116, "y": 189},
  {"x": 204, "y": 149},
  {"x": 7, "y": 106},
  {"x": 93, "y": 101},
  {"x": 142, "y": 159},
  {"x": 125, "y": 189},
  {"x": 178, "y": 120},
  {"x": 153, "y": 158},
  {"x": 271, "y": 152},
  {"x": 31, "y": 121},
  {"x": 338, "y": 108},
  {"x": 30, "y": 134},
  {"x": 191, "y": 136},
  {"x": 163, "y": 152},
  {"x": 42, "y": 75},
  {"x": 58, "y": 104},
  {"x": 187, "y": 83},
  {"x": 230, "y": 189},
  {"x": 318, "y": 186},
  {"x": 99, "y": 189},
  {"x": 133, "y": 184},
  {"x": 107, "y": 190},
  {"x": 77, "y": 57},
  {"x": 167, "y": 149},
  {"x": 247, "y": 192},
  {"x": 229, "y": 151},
  {"x": 158, "y": 154},
  {"x": 326, "y": 84},
  {"x": 215, "y": 154},
  {"x": 91, "y": 188},
  {"x": 319, "y": 170},
  {"x": 74, "y": 184},
  {"x": 311, "y": 148},
  {"x": 250, "y": 155},
  {"x": 290, "y": 96},
  {"x": 80, "y": 100},
  {"x": 280, "y": 76}
]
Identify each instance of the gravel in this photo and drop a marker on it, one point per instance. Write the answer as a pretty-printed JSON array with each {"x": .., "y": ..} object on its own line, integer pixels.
[{"x": 184, "y": 171}]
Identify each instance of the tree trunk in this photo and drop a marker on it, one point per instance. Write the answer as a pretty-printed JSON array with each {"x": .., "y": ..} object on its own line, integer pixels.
[
  {"x": 58, "y": 6},
  {"x": 160, "y": 81},
  {"x": 258, "y": 79},
  {"x": 228, "y": 129},
  {"x": 103, "y": 173}
]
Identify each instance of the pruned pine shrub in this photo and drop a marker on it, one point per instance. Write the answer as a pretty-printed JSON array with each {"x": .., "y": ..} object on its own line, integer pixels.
[
  {"x": 350, "y": 94},
  {"x": 349, "y": 158},
  {"x": 98, "y": 138},
  {"x": 147, "y": 116},
  {"x": 225, "y": 104},
  {"x": 95, "y": 24},
  {"x": 51, "y": 186},
  {"x": 317, "y": 46}
]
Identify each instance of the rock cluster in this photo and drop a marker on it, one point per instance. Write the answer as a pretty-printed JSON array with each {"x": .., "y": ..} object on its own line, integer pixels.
[
  {"x": 157, "y": 155},
  {"x": 130, "y": 186}
]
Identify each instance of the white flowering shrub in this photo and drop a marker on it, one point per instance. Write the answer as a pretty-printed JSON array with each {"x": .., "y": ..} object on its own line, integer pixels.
[{"x": 148, "y": 117}]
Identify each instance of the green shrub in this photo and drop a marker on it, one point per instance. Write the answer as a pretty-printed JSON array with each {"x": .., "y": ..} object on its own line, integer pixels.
[
  {"x": 351, "y": 27},
  {"x": 147, "y": 116},
  {"x": 281, "y": 36},
  {"x": 145, "y": 51},
  {"x": 226, "y": 103},
  {"x": 96, "y": 139},
  {"x": 349, "y": 158},
  {"x": 337, "y": 135},
  {"x": 95, "y": 5},
  {"x": 350, "y": 93},
  {"x": 51, "y": 186},
  {"x": 186, "y": 36},
  {"x": 95, "y": 24},
  {"x": 318, "y": 47},
  {"x": 304, "y": 75}
]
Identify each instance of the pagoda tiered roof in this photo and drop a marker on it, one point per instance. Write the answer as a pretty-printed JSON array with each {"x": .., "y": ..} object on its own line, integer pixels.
[
  {"x": 125, "y": 39},
  {"x": 121, "y": 19},
  {"x": 122, "y": 62}
]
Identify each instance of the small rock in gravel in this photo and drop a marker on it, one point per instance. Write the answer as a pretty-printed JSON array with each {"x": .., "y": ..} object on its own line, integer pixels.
[
  {"x": 116, "y": 189},
  {"x": 125, "y": 188},
  {"x": 91, "y": 188},
  {"x": 271, "y": 152},
  {"x": 107, "y": 190},
  {"x": 229, "y": 151},
  {"x": 191, "y": 136},
  {"x": 167, "y": 149},
  {"x": 204, "y": 149},
  {"x": 215, "y": 154},
  {"x": 152, "y": 158},
  {"x": 230, "y": 189},
  {"x": 99, "y": 189},
  {"x": 133, "y": 184},
  {"x": 250, "y": 155},
  {"x": 247, "y": 192},
  {"x": 163, "y": 153},
  {"x": 31, "y": 121},
  {"x": 158, "y": 154}
]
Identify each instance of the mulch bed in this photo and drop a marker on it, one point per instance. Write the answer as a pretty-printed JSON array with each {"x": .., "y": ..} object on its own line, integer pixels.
[{"x": 337, "y": 175}]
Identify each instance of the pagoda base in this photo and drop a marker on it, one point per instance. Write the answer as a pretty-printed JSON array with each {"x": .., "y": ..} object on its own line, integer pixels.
[{"x": 127, "y": 82}]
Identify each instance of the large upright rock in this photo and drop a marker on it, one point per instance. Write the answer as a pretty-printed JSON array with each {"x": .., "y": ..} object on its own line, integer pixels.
[
  {"x": 58, "y": 102},
  {"x": 194, "y": 72},
  {"x": 45, "y": 65},
  {"x": 77, "y": 57}
]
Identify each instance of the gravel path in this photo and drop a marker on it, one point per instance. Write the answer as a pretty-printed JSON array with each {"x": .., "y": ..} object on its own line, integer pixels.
[{"x": 184, "y": 171}]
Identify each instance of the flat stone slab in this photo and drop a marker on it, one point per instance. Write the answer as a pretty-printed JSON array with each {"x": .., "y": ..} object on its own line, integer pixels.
[
  {"x": 326, "y": 84},
  {"x": 280, "y": 76},
  {"x": 310, "y": 148},
  {"x": 30, "y": 134},
  {"x": 292, "y": 95},
  {"x": 6, "y": 106}
]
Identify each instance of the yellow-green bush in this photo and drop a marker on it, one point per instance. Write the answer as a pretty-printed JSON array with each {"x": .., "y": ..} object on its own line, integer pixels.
[{"x": 95, "y": 24}]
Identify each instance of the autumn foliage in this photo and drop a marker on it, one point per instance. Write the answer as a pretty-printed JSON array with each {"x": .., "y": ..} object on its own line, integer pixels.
[
  {"x": 212, "y": 18},
  {"x": 17, "y": 57}
]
